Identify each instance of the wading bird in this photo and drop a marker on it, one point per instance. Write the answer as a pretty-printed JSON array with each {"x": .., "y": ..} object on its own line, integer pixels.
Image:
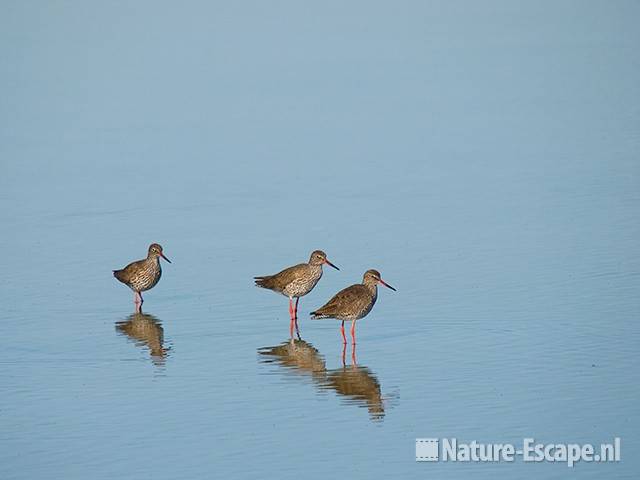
[
  {"x": 142, "y": 275},
  {"x": 353, "y": 303},
  {"x": 296, "y": 282}
]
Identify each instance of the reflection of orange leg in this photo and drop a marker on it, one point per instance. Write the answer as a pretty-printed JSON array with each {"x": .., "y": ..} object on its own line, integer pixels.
[
  {"x": 344, "y": 353},
  {"x": 344, "y": 337},
  {"x": 353, "y": 332},
  {"x": 353, "y": 354}
]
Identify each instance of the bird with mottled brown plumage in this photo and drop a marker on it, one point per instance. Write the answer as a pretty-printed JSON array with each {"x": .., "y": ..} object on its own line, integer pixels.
[
  {"x": 353, "y": 303},
  {"x": 295, "y": 282},
  {"x": 142, "y": 275}
]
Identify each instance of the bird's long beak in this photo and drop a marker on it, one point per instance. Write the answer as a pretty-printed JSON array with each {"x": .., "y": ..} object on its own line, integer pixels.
[
  {"x": 330, "y": 264},
  {"x": 162, "y": 255},
  {"x": 387, "y": 285}
]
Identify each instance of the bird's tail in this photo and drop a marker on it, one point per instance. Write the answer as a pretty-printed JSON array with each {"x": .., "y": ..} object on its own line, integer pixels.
[
  {"x": 118, "y": 274},
  {"x": 264, "y": 282},
  {"x": 318, "y": 315}
]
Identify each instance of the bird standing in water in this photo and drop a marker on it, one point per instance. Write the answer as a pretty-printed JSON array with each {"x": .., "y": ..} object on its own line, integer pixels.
[
  {"x": 353, "y": 303},
  {"x": 296, "y": 282},
  {"x": 142, "y": 275}
]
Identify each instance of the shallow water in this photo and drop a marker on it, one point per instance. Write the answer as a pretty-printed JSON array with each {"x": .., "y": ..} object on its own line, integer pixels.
[{"x": 483, "y": 157}]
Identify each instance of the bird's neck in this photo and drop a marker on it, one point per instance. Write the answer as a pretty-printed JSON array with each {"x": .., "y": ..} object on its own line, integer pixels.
[{"x": 373, "y": 288}]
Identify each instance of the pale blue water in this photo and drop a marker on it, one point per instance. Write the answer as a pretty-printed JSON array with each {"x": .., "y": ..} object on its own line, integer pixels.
[{"x": 484, "y": 156}]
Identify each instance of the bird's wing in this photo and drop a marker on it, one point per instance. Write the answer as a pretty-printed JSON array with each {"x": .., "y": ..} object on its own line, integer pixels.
[
  {"x": 288, "y": 275},
  {"x": 125, "y": 274},
  {"x": 352, "y": 295},
  {"x": 280, "y": 280}
]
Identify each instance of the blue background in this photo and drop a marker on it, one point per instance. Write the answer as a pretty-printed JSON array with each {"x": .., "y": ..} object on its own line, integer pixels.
[{"x": 482, "y": 155}]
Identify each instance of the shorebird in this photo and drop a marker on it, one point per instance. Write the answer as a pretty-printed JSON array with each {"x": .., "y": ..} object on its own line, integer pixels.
[
  {"x": 296, "y": 282},
  {"x": 142, "y": 275},
  {"x": 353, "y": 303}
]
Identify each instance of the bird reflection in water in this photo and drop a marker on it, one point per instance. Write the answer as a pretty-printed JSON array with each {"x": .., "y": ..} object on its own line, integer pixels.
[
  {"x": 357, "y": 384},
  {"x": 297, "y": 356},
  {"x": 145, "y": 330}
]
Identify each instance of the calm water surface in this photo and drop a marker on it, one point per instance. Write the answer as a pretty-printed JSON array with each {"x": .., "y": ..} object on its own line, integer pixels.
[{"x": 483, "y": 157}]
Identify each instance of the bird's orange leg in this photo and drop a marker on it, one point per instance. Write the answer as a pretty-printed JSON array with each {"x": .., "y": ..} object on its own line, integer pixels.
[
  {"x": 353, "y": 332},
  {"x": 291, "y": 318},
  {"x": 137, "y": 301},
  {"x": 344, "y": 337},
  {"x": 295, "y": 318},
  {"x": 295, "y": 311}
]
